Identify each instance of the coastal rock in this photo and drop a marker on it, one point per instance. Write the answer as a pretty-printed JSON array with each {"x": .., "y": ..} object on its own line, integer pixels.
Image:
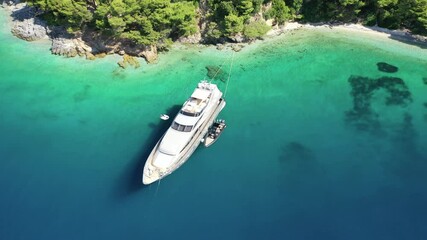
[
  {"x": 220, "y": 46},
  {"x": 192, "y": 39},
  {"x": 388, "y": 68},
  {"x": 119, "y": 46},
  {"x": 90, "y": 56},
  {"x": 150, "y": 54},
  {"x": 20, "y": 11},
  {"x": 238, "y": 38},
  {"x": 25, "y": 24},
  {"x": 69, "y": 47},
  {"x": 236, "y": 47},
  {"x": 30, "y": 29},
  {"x": 100, "y": 55},
  {"x": 64, "y": 47}
]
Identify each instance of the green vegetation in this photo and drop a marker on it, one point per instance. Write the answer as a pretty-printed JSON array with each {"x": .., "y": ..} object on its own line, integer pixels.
[
  {"x": 279, "y": 12},
  {"x": 255, "y": 29},
  {"x": 146, "y": 22},
  {"x": 393, "y": 14},
  {"x": 159, "y": 22}
]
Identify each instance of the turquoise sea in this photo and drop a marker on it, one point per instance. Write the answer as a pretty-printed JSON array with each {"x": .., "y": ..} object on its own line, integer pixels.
[{"x": 320, "y": 144}]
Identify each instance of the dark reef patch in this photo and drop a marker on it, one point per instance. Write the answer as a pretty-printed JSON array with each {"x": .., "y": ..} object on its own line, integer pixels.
[
  {"x": 385, "y": 67},
  {"x": 82, "y": 95},
  {"x": 215, "y": 72},
  {"x": 42, "y": 115},
  {"x": 425, "y": 115},
  {"x": 294, "y": 151},
  {"x": 300, "y": 167},
  {"x": 425, "y": 80},
  {"x": 361, "y": 115},
  {"x": 119, "y": 73}
]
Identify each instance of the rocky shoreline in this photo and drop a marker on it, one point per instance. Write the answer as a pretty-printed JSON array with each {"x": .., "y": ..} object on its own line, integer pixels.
[{"x": 27, "y": 26}]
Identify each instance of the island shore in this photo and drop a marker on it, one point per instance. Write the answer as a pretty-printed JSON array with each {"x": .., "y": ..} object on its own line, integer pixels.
[{"x": 25, "y": 25}]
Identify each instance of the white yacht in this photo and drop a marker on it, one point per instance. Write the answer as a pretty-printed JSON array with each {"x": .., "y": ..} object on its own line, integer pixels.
[{"x": 185, "y": 133}]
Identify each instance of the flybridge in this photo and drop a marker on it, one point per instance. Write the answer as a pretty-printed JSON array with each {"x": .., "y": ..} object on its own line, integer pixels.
[{"x": 195, "y": 105}]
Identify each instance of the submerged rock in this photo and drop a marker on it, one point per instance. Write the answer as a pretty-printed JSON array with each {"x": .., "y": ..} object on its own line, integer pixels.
[
  {"x": 122, "y": 64},
  {"x": 425, "y": 80},
  {"x": 128, "y": 60},
  {"x": 388, "y": 68},
  {"x": 213, "y": 71},
  {"x": 82, "y": 94},
  {"x": 295, "y": 151}
]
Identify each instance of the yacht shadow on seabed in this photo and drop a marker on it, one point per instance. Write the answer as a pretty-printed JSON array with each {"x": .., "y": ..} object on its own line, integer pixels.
[{"x": 131, "y": 179}]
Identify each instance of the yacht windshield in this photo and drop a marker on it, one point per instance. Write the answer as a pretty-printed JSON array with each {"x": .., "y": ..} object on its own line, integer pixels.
[
  {"x": 181, "y": 128},
  {"x": 189, "y": 113}
]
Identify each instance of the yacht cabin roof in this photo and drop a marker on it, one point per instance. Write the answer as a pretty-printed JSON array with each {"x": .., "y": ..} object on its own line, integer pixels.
[
  {"x": 186, "y": 120},
  {"x": 197, "y": 102},
  {"x": 201, "y": 93}
]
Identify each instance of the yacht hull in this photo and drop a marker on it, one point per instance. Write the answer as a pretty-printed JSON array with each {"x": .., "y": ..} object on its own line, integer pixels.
[{"x": 153, "y": 173}]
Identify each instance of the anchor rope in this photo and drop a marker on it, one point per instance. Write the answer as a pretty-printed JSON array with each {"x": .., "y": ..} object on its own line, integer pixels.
[
  {"x": 217, "y": 71},
  {"x": 229, "y": 74}
]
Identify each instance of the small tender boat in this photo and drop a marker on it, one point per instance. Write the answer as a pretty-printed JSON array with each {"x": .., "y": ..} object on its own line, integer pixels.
[
  {"x": 214, "y": 132},
  {"x": 164, "y": 117}
]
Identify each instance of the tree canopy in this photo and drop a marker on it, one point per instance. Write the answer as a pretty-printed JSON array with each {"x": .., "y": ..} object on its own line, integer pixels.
[{"x": 151, "y": 22}]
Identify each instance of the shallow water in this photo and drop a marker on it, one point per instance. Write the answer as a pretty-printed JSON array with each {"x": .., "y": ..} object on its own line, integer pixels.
[{"x": 306, "y": 154}]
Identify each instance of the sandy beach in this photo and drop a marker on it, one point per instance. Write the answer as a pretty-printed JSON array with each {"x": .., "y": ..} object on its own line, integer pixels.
[{"x": 401, "y": 35}]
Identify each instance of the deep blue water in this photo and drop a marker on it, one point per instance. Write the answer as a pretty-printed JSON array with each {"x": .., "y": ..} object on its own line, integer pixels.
[{"x": 317, "y": 145}]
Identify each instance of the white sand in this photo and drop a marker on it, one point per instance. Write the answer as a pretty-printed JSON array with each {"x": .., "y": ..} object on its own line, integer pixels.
[{"x": 403, "y": 35}]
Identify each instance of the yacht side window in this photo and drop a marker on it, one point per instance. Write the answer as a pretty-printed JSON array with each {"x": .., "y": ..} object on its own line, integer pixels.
[
  {"x": 188, "y": 128},
  {"x": 181, "y": 128},
  {"x": 175, "y": 125}
]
